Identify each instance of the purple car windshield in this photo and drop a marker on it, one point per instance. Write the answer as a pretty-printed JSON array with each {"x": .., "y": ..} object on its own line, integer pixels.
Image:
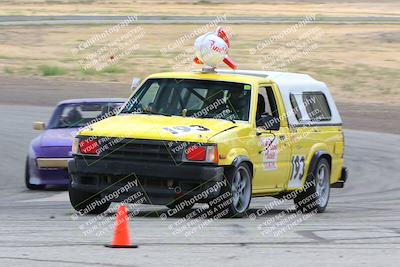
[{"x": 75, "y": 115}]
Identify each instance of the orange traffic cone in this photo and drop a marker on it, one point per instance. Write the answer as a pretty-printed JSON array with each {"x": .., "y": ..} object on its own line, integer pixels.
[{"x": 121, "y": 232}]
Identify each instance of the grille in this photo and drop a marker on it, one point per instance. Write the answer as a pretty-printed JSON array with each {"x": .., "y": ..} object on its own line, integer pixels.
[{"x": 140, "y": 150}]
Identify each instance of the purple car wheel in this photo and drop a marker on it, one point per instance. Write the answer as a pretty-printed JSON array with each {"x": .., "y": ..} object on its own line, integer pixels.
[{"x": 27, "y": 179}]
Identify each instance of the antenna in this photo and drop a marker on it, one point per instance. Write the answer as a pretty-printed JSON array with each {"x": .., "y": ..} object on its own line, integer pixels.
[{"x": 208, "y": 69}]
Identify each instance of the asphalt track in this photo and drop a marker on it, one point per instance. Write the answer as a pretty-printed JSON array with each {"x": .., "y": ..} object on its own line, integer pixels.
[{"x": 359, "y": 228}]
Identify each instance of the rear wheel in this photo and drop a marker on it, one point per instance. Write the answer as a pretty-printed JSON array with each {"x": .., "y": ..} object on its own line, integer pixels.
[
  {"x": 315, "y": 198},
  {"x": 27, "y": 179},
  {"x": 238, "y": 191},
  {"x": 86, "y": 202}
]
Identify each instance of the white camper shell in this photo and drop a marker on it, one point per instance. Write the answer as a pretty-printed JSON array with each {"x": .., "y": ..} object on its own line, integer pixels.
[{"x": 295, "y": 86}]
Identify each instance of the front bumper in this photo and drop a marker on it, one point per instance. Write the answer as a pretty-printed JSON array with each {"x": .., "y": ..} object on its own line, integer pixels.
[
  {"x": 161, "y": 183},
  {"x": 49, "y": 171}
]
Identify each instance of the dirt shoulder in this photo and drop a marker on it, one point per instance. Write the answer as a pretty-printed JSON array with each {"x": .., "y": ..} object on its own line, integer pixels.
[
  {"x": 356, "y": 61},
  {"x": 352, "y": 8},
  {"x": 40, "y": 92}
]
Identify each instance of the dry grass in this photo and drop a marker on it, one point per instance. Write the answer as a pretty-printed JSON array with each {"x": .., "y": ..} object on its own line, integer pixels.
[
  {"x": 359, "y": 63},
  {"x": 200, "y": 7}
]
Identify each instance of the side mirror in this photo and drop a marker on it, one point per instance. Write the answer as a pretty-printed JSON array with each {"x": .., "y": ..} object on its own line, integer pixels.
[
  {"x": 38, "y": 125},
  {"x": 268, "y": 122},
  {"x": 135, "y": 83}
]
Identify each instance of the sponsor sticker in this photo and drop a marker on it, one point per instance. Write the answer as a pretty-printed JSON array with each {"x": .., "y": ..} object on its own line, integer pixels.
[{"x": 269, "y": 153}]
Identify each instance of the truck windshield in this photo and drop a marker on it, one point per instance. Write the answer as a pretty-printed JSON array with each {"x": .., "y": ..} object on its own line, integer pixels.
[{"x": 192, "y": 98}]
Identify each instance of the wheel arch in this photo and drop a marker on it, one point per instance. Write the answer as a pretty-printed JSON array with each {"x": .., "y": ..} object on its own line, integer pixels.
[
  {"x": 243, "y": 159},
  {"x": 320, "y": 154}
]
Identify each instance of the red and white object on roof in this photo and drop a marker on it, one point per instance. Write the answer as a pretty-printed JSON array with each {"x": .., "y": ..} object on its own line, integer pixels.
[{"x": 211, "y": 48}]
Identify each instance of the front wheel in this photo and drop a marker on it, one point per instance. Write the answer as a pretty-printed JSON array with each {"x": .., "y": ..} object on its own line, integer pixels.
[
  {"x": 86, "y": 203},
  {"x": 238, "y": 191},
  {"x": 28, "y": 176},
  {"x": 315, "y": 198}
]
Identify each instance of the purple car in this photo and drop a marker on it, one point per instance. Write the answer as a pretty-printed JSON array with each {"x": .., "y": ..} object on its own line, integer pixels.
[{"x": 49, "y": 153}]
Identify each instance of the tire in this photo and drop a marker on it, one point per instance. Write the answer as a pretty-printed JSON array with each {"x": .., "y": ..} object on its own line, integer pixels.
[
  {"x": 315, "y": 198},
  {"x": 238, "y": 188},
  {"x": 81, "y": 200},
  {"x": 27, "y": 178}
]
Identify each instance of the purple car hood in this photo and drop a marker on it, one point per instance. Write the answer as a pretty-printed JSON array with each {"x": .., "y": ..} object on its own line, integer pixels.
[{"x": 58, "y": 137}]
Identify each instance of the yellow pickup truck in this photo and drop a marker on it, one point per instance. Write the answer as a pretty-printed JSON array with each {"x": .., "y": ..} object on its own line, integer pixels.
[{"x": 191, "y": 137}]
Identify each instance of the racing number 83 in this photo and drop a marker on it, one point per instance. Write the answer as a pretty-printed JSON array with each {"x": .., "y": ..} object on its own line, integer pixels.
[
  {"x": 186, "y": 129},
  {"x": 297, "y": 168}
]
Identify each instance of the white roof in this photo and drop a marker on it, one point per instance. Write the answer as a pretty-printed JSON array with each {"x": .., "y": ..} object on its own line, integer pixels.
[
  {"x": 294, "y": 83},
  {"x": 280, "y": 78}
]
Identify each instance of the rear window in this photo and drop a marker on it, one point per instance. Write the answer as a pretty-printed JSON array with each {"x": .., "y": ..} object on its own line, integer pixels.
[
  {"x": 295, "y": 107},
  {"x": 317, "y": 106}
]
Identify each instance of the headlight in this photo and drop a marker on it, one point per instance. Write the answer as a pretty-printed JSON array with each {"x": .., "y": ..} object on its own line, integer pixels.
[
  {"x": 88, "y": 147},
  {"x": 75, "y": 146},
  {"x": 85, "y": 147},
  {"x": 201, "y": 153}
]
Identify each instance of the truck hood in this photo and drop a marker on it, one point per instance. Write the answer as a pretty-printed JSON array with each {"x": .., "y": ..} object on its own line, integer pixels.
[{"x": 157, "y": 127}]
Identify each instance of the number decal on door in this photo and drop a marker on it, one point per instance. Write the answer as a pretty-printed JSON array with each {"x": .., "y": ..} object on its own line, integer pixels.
[{"x": 298, "y": 166}]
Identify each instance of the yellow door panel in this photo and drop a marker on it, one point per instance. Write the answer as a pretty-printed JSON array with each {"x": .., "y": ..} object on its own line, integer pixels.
[{"x": 272, "y": 163}]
